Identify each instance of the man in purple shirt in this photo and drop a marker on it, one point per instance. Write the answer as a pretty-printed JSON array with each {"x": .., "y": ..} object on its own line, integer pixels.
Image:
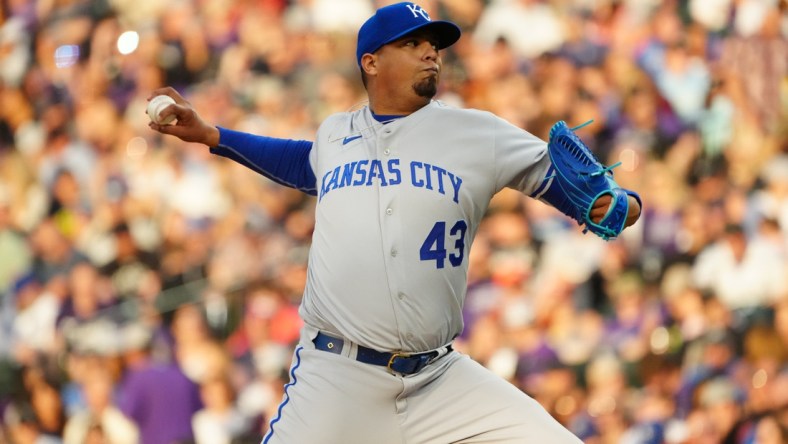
[{"x": 157, "y": 396}]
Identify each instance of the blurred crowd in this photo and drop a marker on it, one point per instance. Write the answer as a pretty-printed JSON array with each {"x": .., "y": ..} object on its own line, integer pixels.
[{"x": 149, "y": 290}]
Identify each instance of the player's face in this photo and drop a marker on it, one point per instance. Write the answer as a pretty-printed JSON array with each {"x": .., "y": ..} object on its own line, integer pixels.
[{"x": 412, "y": 63}]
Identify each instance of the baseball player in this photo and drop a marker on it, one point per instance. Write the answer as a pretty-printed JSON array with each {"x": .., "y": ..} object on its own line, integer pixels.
[{"x": 401, "y": 186}]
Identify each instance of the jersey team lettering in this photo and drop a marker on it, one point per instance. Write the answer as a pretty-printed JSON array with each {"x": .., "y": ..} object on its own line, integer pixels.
[{"x": 366, "y": 172}]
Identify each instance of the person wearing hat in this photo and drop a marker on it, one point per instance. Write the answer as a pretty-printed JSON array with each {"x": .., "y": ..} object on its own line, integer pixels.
[{"x": 401, "y": 187}]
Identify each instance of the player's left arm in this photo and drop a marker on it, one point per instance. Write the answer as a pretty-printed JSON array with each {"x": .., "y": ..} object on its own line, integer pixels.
[
  {"x": 584, "y": 189},
  {"x": 613, "y": 209},
  {"x": 564, "y": 174}
]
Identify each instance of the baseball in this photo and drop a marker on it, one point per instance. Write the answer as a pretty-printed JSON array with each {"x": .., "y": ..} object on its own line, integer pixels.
[{"x": 156, "y": 106}]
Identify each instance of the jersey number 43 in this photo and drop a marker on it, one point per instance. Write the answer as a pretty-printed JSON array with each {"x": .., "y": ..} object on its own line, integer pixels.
[{"x": 434, "y": 246}]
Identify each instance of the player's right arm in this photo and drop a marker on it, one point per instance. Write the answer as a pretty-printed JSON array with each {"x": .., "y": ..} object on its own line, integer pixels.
[{"x": 285, "y": 161}]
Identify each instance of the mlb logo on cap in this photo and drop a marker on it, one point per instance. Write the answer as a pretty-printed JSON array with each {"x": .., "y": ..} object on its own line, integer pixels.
[{"x": 398, "y": 20}]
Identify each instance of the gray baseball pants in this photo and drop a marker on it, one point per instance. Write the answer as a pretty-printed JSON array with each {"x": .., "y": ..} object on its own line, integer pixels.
[{"x": 334, "y": 399}]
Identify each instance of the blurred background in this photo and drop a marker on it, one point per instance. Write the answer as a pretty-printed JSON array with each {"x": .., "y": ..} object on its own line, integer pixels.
[{"x": 149, "y": 290}]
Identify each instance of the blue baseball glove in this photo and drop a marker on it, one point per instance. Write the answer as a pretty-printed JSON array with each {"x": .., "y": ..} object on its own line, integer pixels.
[{"x": 582, "y": 180}]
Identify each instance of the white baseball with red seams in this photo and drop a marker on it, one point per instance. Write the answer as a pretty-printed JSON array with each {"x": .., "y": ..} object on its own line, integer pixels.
[{"x": 156, "y": 106}]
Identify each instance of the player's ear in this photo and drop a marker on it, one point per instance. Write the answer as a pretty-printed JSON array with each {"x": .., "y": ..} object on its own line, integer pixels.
[{"x": 369, "y": 63}]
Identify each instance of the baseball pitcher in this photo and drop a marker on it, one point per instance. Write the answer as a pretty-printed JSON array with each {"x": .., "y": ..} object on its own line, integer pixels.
[{"x": 401, "y": 186}]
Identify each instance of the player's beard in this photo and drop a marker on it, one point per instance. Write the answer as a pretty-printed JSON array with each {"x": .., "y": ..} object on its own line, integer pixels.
[{"x": 426, "y": 88}]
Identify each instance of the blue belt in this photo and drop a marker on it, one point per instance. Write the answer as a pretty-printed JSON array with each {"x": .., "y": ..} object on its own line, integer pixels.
[{"x": 404, "y": 363}]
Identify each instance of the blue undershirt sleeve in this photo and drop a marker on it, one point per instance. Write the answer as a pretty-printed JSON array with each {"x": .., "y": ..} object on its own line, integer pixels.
[{"x": 284, "y": 161}]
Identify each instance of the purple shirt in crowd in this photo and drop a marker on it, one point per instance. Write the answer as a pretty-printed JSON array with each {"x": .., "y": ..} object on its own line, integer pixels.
[{"x": 161, "y": 400}]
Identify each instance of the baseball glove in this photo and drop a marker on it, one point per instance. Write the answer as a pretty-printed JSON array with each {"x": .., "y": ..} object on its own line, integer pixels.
[{"x": 583, "y": 180}]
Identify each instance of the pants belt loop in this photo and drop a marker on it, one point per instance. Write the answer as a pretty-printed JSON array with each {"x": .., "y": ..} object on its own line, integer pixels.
[{"x": 351, "y": 350}]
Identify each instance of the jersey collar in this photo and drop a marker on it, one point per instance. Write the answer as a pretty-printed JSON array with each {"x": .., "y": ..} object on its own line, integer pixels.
[{"x": 385, "y": 118}]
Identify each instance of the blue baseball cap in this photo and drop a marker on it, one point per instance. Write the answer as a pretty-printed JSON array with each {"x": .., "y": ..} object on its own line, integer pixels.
[{"x": 398, "y": 20}]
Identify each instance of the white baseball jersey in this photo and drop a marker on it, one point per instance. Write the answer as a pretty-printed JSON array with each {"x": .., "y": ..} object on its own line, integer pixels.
[{"x": 398, "y": 206}]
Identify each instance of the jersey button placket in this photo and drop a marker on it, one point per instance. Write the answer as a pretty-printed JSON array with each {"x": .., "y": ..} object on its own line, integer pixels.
[{"x": 385, "y": 136}]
